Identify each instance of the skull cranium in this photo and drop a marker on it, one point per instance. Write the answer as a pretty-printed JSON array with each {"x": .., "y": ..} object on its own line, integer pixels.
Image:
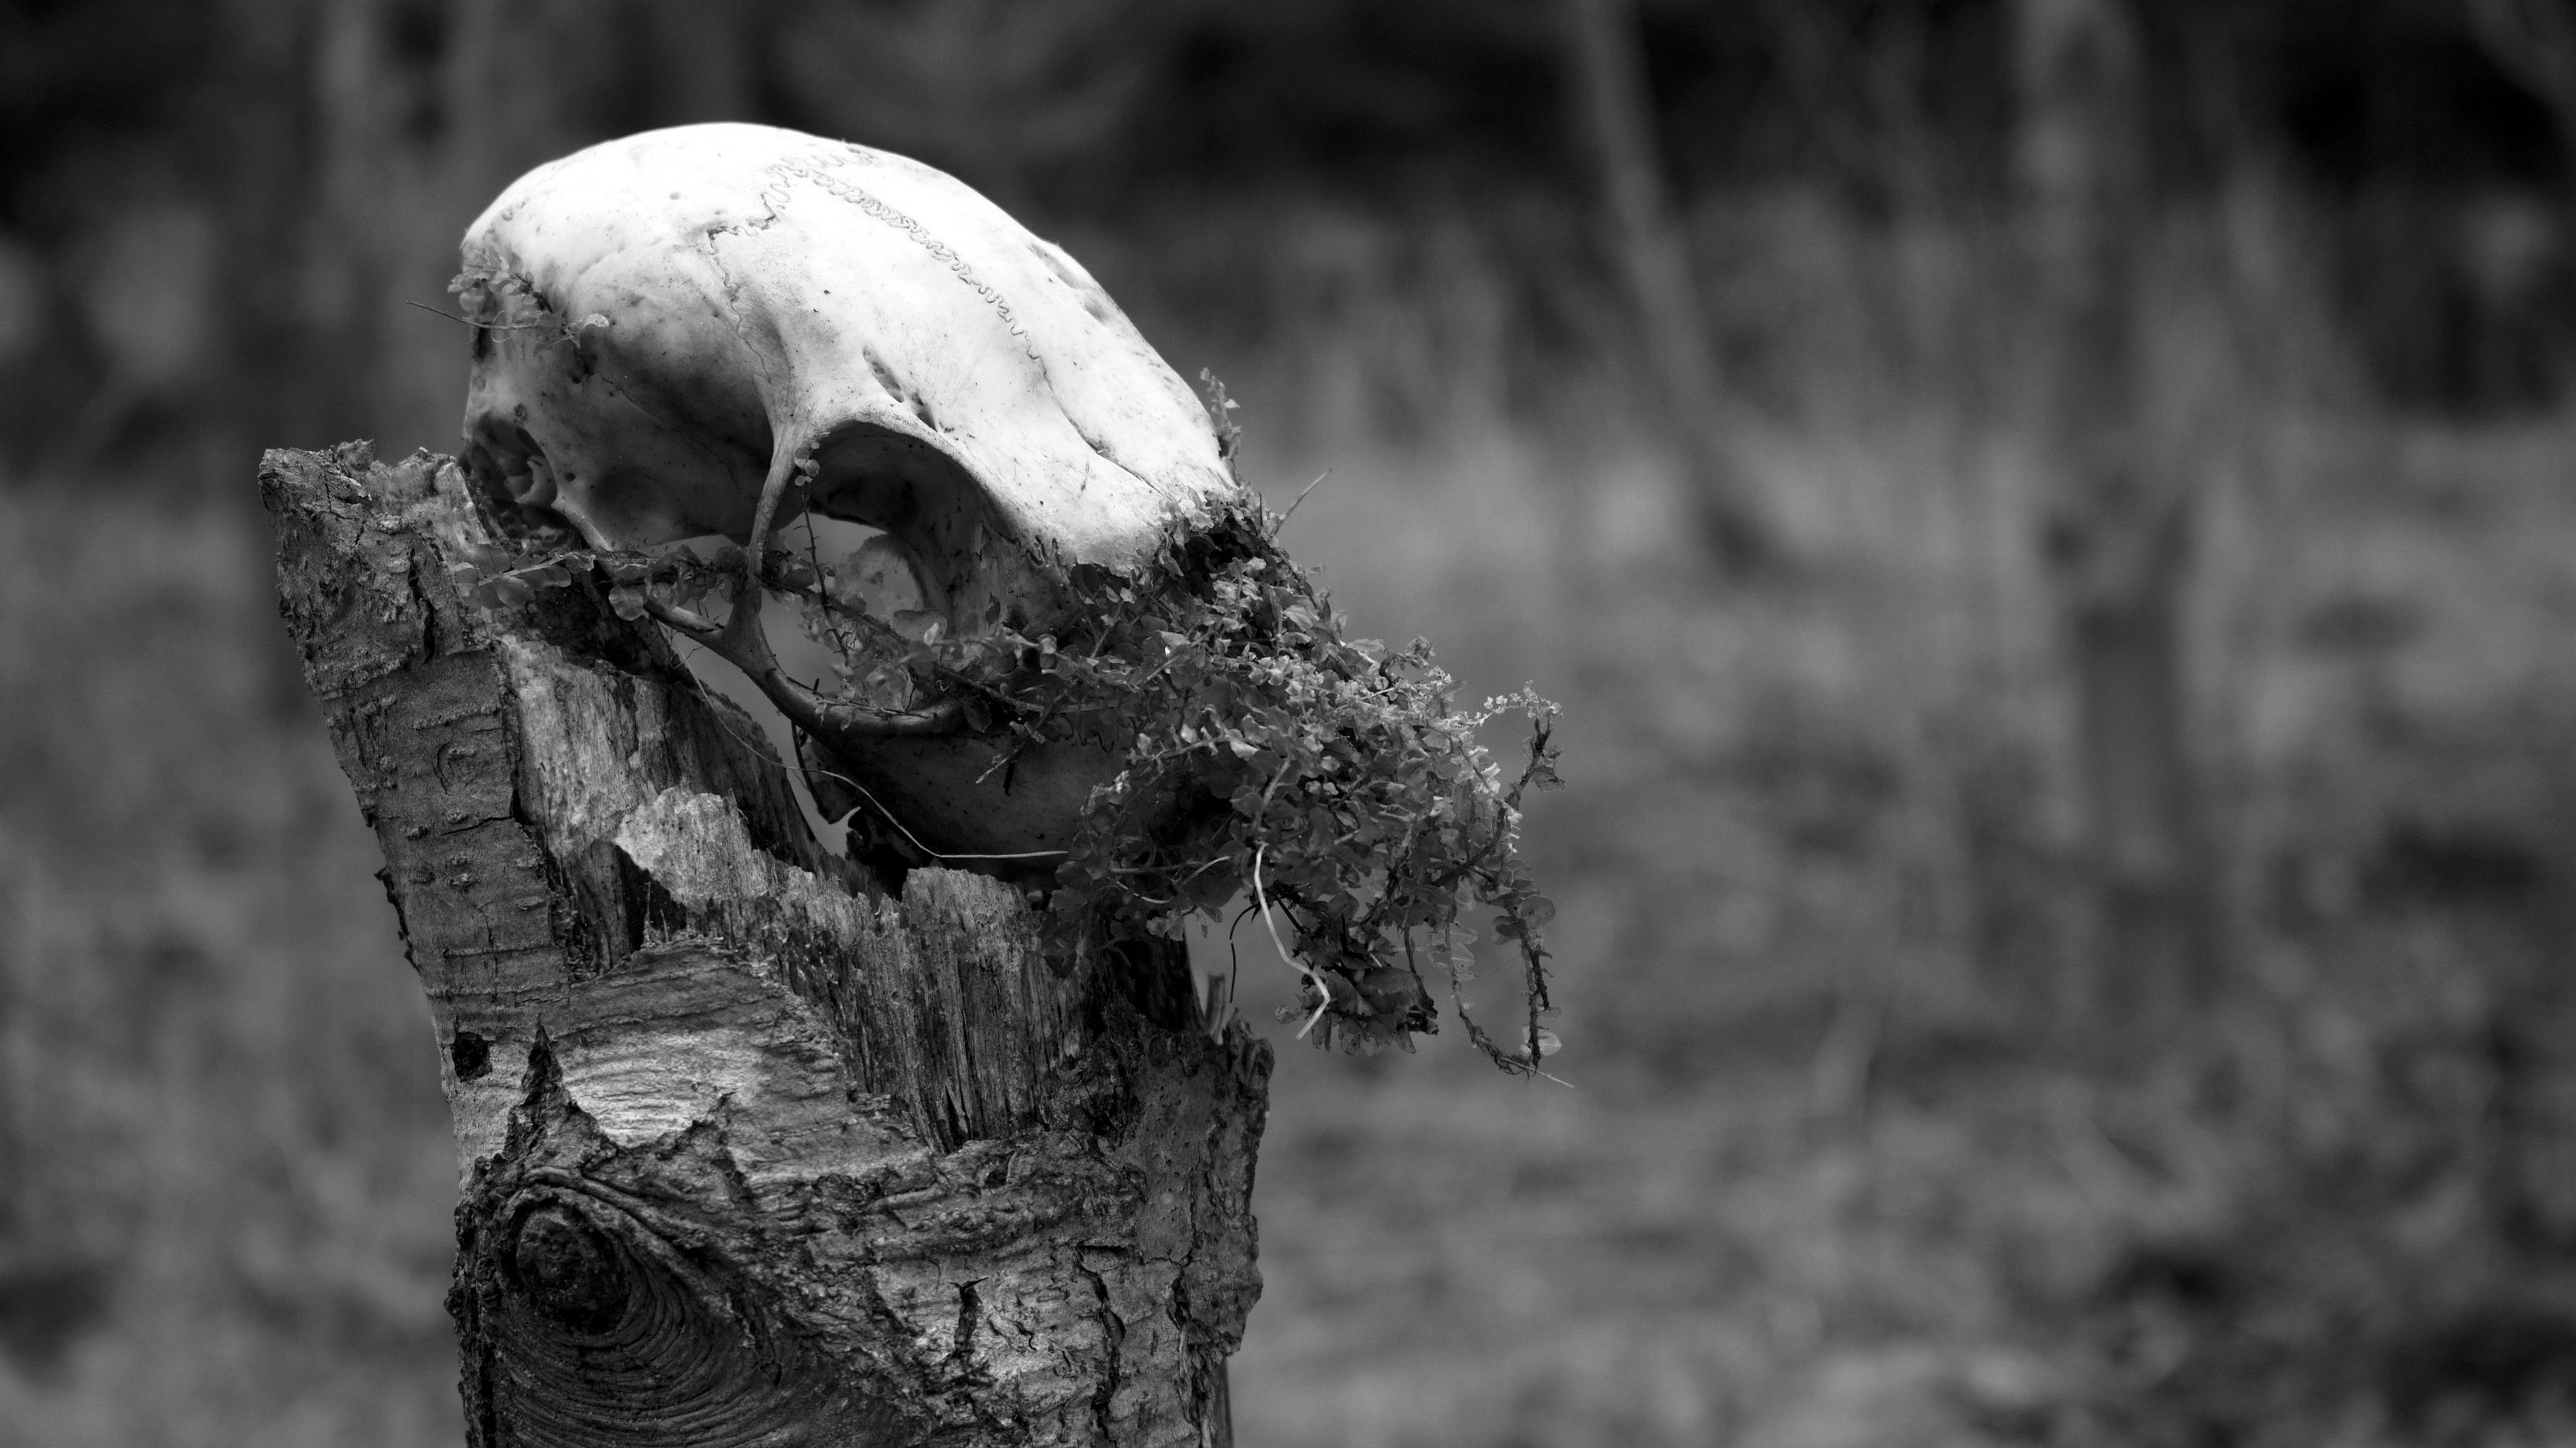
[{"x": 709, "y": 329}]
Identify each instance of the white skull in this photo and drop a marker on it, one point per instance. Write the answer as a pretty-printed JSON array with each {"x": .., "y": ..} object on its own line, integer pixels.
[{"x": 707, "y": 329}]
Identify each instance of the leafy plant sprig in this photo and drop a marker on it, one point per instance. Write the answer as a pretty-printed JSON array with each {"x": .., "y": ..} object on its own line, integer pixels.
[
  {"x": 499, "y": 579},
  {"x": 1330, "y": 783}
]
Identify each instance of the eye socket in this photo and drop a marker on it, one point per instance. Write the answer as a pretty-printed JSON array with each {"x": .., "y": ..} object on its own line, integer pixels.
[
  {"x": 922, "y": 498},
  {"x": 870, "y": 570}
]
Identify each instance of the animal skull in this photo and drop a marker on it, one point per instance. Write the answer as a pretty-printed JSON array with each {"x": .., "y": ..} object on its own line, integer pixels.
[{"x": 709, "y": 329}]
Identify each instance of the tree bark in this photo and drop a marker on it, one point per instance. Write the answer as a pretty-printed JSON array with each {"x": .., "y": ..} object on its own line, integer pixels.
[
  {"x": 754, "y": 1149},
  {"x": 1608, "y": 81},
  {"x": 2116, "y": 533}
]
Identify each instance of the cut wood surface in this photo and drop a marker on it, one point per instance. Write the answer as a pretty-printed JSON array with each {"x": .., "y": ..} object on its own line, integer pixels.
[{"x": 754, "y": 1150}]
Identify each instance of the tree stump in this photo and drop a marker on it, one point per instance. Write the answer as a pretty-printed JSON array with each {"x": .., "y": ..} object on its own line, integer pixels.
[{"x": 755, "y": 1150}]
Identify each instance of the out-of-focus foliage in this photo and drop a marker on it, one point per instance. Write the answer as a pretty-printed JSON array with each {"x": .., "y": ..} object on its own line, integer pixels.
[{"x": 214, "y": 212}]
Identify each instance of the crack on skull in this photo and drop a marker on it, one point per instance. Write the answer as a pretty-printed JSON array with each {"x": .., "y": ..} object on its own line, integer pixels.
[
  {"x": 733, "y": 300},
  {"x": 815, "y": 173}
]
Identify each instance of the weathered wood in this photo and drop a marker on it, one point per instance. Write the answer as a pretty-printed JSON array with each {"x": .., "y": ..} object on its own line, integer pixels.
[{"x": 754, "y": 1151}]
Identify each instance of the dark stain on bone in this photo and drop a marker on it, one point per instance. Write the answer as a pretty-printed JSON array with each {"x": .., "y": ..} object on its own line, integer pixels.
[
  {"x": 1098, "y": 448},
  {"x": 1094, "y": 300},
  {"x": 884, "y": 375}
]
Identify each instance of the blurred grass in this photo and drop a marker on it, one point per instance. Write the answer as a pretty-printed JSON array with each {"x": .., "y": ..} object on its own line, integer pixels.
[
  {"x": 224, "y": 1215},
  {"x": 1838, "y": 1171},
  {"x": 1833, "y": 1170}
]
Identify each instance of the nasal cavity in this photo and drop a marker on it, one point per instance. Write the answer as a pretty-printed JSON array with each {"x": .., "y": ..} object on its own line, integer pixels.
[{"x": 507, "y": 463}]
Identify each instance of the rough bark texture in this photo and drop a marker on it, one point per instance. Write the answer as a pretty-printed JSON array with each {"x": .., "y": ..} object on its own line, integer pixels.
[
  {"x": 2118, "y": 532},
  {"x": 754, "y": 1151}
]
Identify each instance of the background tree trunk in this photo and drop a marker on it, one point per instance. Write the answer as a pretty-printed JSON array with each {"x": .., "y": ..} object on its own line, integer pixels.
[
  {"x": 2117, "y": 533},
  {"x": 755, "y": 1150},
  {"x": 2534, "y": 41},
  {"x": 1607, "y": 72}
]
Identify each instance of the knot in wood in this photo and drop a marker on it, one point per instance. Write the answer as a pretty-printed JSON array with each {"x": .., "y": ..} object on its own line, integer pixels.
[
  {"x": 605, "y": 1333},
  {"x": 568, "y": 1270}
]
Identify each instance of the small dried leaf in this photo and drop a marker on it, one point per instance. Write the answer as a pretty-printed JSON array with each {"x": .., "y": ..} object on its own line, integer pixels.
[{"x": 792, "y": 572}]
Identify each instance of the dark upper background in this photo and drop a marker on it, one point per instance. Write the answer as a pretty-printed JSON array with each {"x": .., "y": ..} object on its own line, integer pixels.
[
  {"x": 1843, "y": 1167},
  {"x": 214, "y": 212}
]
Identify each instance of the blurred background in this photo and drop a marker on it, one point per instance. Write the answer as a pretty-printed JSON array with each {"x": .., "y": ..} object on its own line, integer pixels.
[{"x": 2051, "y": 519}]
